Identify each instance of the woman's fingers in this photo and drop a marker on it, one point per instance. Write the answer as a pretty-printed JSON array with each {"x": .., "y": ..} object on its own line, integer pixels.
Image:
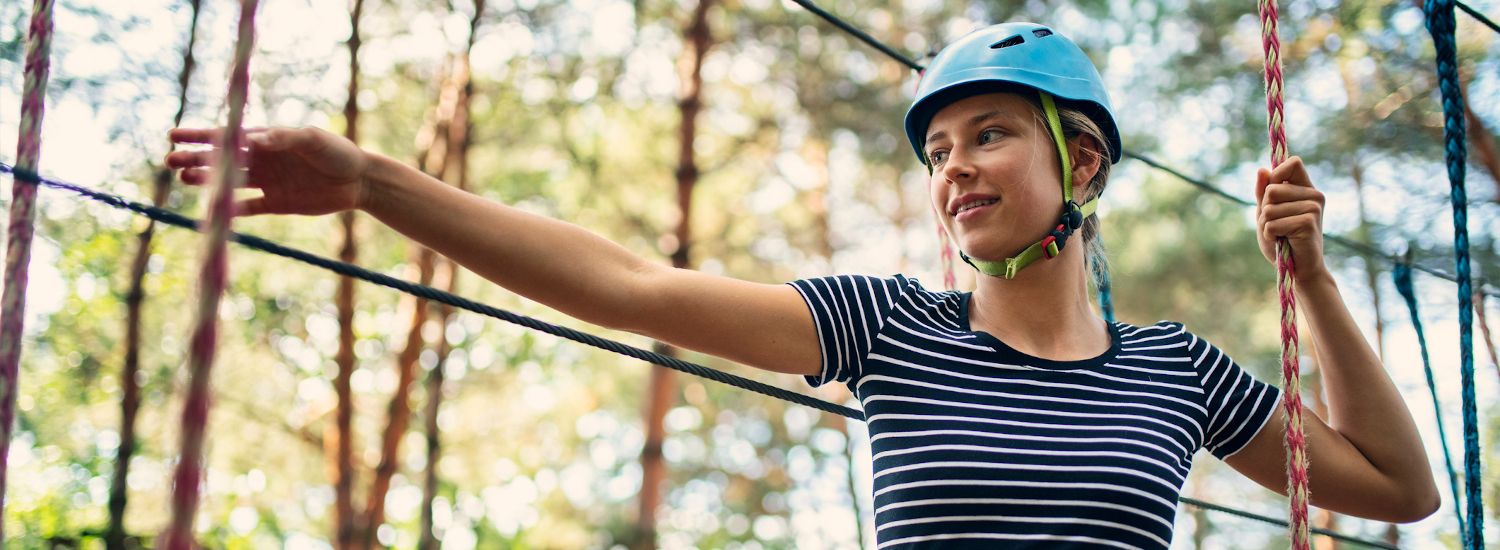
[
  {"x": 1273, "y": 212},
  {"x": 253, "y": 206},
  {"x": 1287, "y": 227},
  {"x": 206, "y": 136},
  {"x": 1278, "y": 193},
  {"x": 1292, "y": 171},
  {"x": 205, "y": 174},
  {"x": 197, "y": 175},
  {"x": 276, "y": 139},
  {"x": 190, "y": 159}
]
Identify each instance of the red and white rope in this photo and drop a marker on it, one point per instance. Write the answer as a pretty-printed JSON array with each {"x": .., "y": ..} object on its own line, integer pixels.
[
  {"x": 212, "y": 279},
  {"x": 1296, "y": 441},
  {"x": 22, "y": 222}
]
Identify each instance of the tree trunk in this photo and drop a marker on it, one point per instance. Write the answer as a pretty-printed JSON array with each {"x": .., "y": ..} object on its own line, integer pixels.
[
  {"x": 1321, "y": 518},
  {"x": 1203, "y": 523},
  {"x": 1481, "y": 142},
  {"x": 1372, "y": 268},
  {"x": 432, "y": 159},
  {"x": 130, "y": 402},
  {"x": 662, "y": 392},
  {"x": 816, "y": 154},
  {"x": 434, "y": 390},
  {"x": 339, "y": 441},
  {"x": 1484, "y": 325},
  {"x": 398, "y": 411},
  {"x": 458, "y": 174}
]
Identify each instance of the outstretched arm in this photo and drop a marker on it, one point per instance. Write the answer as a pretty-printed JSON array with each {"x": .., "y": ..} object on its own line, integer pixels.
[
  {"x": 309, "y": 171},
  {"x": 1367, "y": 459}
]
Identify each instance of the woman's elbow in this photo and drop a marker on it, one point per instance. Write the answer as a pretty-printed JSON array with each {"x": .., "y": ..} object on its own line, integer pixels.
[{"x": 1422, "y": 501}]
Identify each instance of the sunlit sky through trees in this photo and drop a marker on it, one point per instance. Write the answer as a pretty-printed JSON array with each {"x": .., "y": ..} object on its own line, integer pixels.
[{"x": 114, "y": 94}]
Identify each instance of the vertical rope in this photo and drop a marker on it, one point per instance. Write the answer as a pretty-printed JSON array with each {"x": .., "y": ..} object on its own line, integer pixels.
[
  {"x": 1402, "y": 276},
  {"x": 1441, "y": 25},
  {"x": 22, "y": 220},
  {"x": 945, "y": 245},
  {"x": 1106, "y": 298},
  {"x": 946, "y": 248},
  {"x": 211, "y": 281},
  {"x": 1296, "y": 442}
]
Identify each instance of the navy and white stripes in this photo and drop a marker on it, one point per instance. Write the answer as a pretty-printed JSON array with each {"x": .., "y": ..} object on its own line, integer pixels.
[{"x": 976, "y": 444}]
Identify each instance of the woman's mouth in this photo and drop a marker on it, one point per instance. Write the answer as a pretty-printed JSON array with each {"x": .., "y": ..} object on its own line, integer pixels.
[{"x": 972, "y": 208}]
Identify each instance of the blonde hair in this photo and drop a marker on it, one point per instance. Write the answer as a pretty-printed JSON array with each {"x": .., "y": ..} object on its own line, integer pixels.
[{"x": 1077, "y": 123}]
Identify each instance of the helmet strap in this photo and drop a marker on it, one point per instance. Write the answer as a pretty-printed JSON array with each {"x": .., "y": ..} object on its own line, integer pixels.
[{"x": 1072, "y": 216}]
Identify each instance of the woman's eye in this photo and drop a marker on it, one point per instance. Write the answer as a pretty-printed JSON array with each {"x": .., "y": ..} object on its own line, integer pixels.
[
  {"x": 936, "y": 157},
  {"x": 989, "y": 135}
]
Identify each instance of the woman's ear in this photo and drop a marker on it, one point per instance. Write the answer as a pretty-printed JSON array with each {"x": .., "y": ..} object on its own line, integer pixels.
[{"x": 1087, "y": 154}]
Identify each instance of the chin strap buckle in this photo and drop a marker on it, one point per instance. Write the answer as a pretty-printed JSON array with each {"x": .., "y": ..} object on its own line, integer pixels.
[{"x": 1072, "y": 219}]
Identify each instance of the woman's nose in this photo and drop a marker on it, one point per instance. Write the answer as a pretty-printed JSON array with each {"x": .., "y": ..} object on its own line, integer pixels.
[{"x": 957, "y": 166}]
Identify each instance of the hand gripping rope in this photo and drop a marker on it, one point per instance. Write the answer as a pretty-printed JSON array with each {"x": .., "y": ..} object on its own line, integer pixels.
[
  {"x": 1441, "y": 25},
  {"x": 1296, "y": 438}
]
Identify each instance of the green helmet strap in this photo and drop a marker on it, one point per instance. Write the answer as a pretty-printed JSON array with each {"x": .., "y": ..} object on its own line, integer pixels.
[{"x": 1071, "y": 219}]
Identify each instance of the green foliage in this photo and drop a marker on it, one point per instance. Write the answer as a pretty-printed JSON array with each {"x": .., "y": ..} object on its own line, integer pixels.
[{"x": 804, "y": 172}]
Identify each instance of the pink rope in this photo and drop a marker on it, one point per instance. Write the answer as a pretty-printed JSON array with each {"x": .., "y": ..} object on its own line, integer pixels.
[
  {"x": 211, "y": 281},
  {"x": 1296, "y": 441},
  {"x": 22, "y": 221},
  {"x": 946, "y": 248}
]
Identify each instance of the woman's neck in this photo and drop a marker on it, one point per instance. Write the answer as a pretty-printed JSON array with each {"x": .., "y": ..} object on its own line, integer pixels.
[{"x": 1044, "y": 312}]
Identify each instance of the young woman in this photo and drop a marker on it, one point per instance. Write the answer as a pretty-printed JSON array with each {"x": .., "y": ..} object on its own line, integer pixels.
[{"x": 1008, "y": 416}]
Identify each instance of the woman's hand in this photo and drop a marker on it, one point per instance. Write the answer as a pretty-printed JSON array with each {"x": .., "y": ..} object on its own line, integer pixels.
[
  {"x": 298, "y": 170},
  {"x": 1287, "y": 205}
]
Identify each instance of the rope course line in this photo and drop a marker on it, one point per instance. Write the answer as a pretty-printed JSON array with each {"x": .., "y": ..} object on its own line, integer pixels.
[
  {"x": 1442, "y": 27},
  {"x": 1477, "y": 16},
  {"x": 264, "y": 245},
  {"x": 861, "y": 35},
  {"x": 21, "y": 228},
  {"x": 175, "y": 219},
  {"x": 1278, "y": 521},
  {"x": 1402, "y": 277},
  {"x": 1357, "y": 247}
]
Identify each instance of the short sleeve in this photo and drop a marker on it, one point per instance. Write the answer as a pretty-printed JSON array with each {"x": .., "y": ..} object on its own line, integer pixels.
[
  {"x": 1238, "y": 404},
  {"x": 849, "y": 311}
]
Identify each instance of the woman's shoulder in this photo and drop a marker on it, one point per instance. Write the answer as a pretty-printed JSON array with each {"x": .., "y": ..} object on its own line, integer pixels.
[{"x": 1160, "y": 330}]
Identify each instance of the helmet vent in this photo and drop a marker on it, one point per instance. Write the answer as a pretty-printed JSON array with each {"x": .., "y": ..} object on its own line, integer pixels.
[
  {"x": 1041, "y": 32},
  {"x": 1012, "y": 41}
]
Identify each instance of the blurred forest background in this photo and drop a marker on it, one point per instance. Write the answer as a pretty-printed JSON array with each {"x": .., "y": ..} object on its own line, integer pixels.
[{"x": 349, "y": 416}]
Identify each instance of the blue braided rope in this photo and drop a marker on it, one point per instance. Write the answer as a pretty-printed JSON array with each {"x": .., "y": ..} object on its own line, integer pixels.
[
  {"x": 1402, "y": 276},
  {"x": 1441, "y": 24},
  {"x": 1106, "y": 299}
]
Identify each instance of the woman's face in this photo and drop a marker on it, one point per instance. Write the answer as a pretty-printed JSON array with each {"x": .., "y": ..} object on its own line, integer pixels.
[{"x": 996, "y": 183}]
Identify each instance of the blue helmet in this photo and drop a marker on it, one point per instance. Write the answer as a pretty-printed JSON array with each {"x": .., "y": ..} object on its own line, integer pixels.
[{"x": 1001, "y": 57}]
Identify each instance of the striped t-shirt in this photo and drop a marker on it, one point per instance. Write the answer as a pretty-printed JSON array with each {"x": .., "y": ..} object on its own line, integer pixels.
[{"x": 977, "y": 445}]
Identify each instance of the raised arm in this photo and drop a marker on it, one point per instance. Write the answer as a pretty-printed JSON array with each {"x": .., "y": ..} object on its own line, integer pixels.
[
  {"x": 1367, "y": 458},
  {"x": 309, "y": 171}
]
